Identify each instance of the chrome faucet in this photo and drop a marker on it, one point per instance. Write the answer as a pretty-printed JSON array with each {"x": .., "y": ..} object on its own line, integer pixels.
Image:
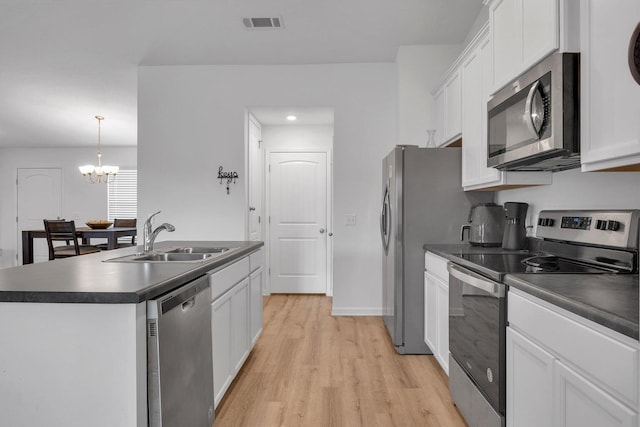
[{"x": 150, "y": 236}]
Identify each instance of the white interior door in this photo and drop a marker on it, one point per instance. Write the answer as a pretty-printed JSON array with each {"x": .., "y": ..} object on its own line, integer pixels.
[
  {"x": 298, "y": 222},
  {"x": 39, "y": 197},
  {"x": 255, "y": 183}
]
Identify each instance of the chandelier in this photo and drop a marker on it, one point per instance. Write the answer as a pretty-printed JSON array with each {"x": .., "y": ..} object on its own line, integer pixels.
[{"x": 96, "y": 174}]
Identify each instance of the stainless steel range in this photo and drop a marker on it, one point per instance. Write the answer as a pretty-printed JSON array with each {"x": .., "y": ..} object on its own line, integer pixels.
[{"x": 576, "y": 242}]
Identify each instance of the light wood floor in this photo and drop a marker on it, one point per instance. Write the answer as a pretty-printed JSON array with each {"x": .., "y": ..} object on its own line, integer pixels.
[{"x": 312, "y": 369}]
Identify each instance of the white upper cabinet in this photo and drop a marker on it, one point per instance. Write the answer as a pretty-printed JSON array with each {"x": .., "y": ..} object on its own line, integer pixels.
[
  {"x": 524, "y": 32},
  {"x": 476, "y": 75},
  {"x": 610, "y": 125},
  {"x": 448, "y": 102}
]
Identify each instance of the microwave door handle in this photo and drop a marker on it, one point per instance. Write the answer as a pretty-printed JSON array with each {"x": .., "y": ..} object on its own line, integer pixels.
[{"x": 528, "y": 109}]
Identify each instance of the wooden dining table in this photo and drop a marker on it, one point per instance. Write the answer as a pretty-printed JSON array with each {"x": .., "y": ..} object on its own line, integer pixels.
[{"x": 85, "y": 233}]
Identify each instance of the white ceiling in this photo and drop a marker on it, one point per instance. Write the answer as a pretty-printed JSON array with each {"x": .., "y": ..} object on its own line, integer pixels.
[{"x": 62, "y": 62}]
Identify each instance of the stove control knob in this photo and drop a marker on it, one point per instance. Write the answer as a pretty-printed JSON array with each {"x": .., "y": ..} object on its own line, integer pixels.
[
  {"x": 546, "y": 222},
  {"x": 601, "y": 224},
  {"x": 613, "y": 225}
]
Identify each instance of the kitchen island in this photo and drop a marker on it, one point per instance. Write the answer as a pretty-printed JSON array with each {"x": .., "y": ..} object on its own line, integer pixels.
[{"x": 73, "y": 333}]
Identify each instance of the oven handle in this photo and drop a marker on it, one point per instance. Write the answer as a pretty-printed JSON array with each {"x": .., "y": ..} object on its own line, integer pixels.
[{"x": 494, "y": 288}]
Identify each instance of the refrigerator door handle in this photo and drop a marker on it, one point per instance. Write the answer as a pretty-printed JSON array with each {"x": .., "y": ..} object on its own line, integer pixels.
[{"x": 385, "y": 220}]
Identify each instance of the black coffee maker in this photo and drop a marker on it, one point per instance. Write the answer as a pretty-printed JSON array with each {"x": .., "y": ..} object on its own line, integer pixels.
[{"x": 515, "y": 232}]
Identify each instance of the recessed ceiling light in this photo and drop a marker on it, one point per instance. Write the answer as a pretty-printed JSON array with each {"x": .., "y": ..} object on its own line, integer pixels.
[{"x": 291, "y": 118}]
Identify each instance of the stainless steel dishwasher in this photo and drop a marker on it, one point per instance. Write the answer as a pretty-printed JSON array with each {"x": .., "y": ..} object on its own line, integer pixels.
[{"x": 179, "y": 357}]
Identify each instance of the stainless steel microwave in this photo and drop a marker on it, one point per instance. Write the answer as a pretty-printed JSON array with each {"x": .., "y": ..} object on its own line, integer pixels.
[{"x": 534, "y": 123}]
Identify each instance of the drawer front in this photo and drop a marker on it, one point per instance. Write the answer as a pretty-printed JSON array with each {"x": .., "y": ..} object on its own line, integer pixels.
[
  {"x": 436, "y": 265},
  {"x": 606, "y": 360},
  {"x": 256, "y": 259},
  {"x": 223, "y": 280}
]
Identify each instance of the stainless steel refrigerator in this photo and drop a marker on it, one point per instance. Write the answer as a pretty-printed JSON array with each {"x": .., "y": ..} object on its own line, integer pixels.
[{"x": 422, "y": 202}]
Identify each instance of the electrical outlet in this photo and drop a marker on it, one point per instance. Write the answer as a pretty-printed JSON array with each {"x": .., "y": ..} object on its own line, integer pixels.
[
  {"x": 350, "y": 219},
  {"x": 0, "y": 252}
]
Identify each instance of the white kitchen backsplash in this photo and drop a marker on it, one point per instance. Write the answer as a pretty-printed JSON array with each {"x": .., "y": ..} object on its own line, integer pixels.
[{"x": 574, "y": 189}]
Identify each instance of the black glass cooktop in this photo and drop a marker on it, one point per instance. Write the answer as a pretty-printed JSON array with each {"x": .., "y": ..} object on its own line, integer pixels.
[{"x": 529, "y": 263}]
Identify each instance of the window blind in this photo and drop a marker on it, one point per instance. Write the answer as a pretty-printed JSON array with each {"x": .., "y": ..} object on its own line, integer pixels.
[{"x": 122, "y": 195}]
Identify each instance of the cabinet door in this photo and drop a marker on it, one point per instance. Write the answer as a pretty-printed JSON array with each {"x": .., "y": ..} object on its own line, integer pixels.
[
  {"x": 221, "y": 343},
  {"x": 476, "y": 86},
  {"x": 454, "y": 105},
  {"x": 580, "y": 403},
  {"x": 442, "y": 353},
  {"x": 540, "y": 30},
  {"x": 472, "y": 118},
  {"x": 441, "y": 116},
  {"x": 529, "y": 383},
  {"x": 239, "y": 324},
  {"x": 430, "y": 311},
  {"x": 486, "y": 174},
  {"x": 255, "y": 306},
  {"x": 610, "y": 98},
  {"x": 505, "y": 18}
]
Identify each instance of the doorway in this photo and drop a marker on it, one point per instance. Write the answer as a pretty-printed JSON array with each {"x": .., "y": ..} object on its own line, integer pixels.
[
  {"x": 296, "y": 181},
  {"x": 39, "y": 197}
]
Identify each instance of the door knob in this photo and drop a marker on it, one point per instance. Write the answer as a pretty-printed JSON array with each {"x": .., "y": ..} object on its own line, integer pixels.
[
  {"x": 321, "y": 230},
  {"x": 330, "y": 234},
  {"x": 251, "y": 208}
]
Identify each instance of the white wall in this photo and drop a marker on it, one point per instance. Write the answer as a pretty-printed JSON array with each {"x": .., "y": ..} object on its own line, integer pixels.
[
  {"x": 80, "y": 200},
  {"x": 192, "y": 119},
  {"x": 290, "y": 136},
  {"x": 419, "y": 69},
  {"x": 574, "y": 189}
]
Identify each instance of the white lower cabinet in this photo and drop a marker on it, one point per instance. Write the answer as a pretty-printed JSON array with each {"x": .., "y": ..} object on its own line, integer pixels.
[
  {"x": 529, "y": 383},
  {"x": 580, "y": 403},
  {"x": 221, "y": 329},
  {"x": 236, "y": 318},
  {"x": 255, "y": 292},
  {"x": 566, "y": 371},
  {"x": 436, "y": 308}
]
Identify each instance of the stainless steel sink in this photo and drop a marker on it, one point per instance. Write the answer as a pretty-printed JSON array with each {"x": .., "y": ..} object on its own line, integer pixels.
[
  {"x": 163, "y": 257},
  {"x": 199, "y": 250},
  {"x": 184, "y": 254}
]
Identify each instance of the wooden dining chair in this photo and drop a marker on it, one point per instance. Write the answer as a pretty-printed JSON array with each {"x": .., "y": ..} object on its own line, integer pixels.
[
  {"x": 65, "y": 231},
  {"x": 123, "y": 241}
]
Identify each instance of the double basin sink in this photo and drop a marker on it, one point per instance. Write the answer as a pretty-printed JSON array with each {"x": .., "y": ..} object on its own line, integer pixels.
[{"x": 185, "y": 254}]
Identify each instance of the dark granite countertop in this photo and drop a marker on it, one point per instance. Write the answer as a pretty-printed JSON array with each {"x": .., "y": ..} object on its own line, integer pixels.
[
  {"x": 608, "y": 299},
  {"x": 87, "y": 279}
]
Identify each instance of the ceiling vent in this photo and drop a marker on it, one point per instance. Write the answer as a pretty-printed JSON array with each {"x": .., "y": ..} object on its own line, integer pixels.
[{"x": 259, "y": 23}]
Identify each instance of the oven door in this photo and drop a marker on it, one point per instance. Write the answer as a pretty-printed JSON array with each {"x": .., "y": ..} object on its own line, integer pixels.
[{"x": 477, "y": 332}]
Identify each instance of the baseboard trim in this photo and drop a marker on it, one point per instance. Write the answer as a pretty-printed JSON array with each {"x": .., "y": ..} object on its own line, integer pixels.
[{"x": 356, "y": 311}]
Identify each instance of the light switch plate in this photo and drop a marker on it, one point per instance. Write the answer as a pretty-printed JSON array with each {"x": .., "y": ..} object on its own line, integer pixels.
[{"x": 350, "y": 219}]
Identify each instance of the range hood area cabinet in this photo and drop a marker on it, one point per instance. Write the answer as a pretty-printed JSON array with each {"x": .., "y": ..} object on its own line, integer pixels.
[
  {"x": 474, "y": 69},
  {"x": 610, "y": 129},
  {"x": 526, "y": 31}
]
